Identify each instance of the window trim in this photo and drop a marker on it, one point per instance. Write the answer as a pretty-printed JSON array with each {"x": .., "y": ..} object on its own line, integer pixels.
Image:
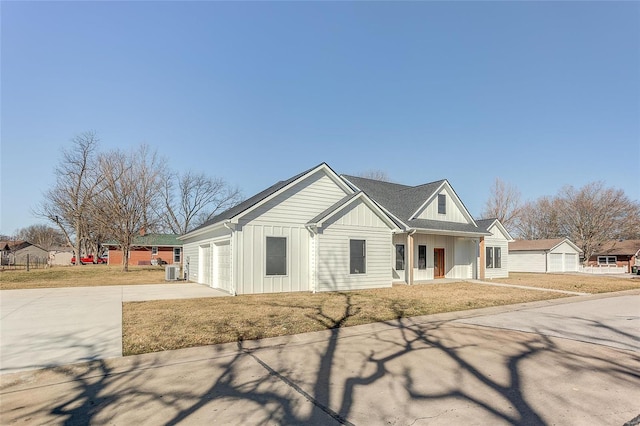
[
  {"x": 424, "y": 267},
  {"x": 493, "y": 257},
  {"x": 488, "y": 254},
  {"x": 179, "y": 257},
  {"x": 364, "y": 257},
  {"x": 606, "y": 260},
  {"x": 286, "y": 256},
  {"x": 442, "y": 203},
  {"x": 154, "y": 250},
  {"x": 403, "y": 260}
]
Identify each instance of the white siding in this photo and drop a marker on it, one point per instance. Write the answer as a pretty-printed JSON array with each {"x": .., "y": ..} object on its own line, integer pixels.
[
  {"x": 300, "y": 203},
  {"x": 253, "y": 278},
  {"x": 400, "y": 276},
  {"x": 527, "y": 261},
  {"x": 497, "y": 239},
  {"x": 459, "y": 253},
  {"x": 355, "y": 222},
  {"x": 571, "y": 262},
  {"x": 454, "y": 210},
  {"x": 191, "y": 251}
]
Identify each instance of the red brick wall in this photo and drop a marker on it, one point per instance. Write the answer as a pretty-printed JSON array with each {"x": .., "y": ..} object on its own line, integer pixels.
[{"x": 141, "y": 254}]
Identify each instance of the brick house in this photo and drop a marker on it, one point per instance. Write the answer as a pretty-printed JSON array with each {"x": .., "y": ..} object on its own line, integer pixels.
[
  {"x": 148, "y": 249},
  {"x": 625, "y": 254}
]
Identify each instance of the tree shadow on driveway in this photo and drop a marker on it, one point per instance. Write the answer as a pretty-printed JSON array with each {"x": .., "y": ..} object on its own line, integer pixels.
[{"x": 399, "y": 372}]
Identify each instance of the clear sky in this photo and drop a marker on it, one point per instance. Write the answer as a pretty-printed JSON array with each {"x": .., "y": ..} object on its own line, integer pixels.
[{"x": 540, "y": 94}]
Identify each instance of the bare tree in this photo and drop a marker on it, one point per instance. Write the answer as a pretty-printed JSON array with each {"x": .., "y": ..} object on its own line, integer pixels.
[
  {"x": 190, "y": 199},
  {"x": 41, "y": 235},
  {"x": 503, "y": 204},
  {"x": 126, "y": 205},
  {"x": 67, "y": 204},
  {"x": 539, "y": 219},
  {"x": 594, "y": 214},
  {"x": 375, "y": 174}
]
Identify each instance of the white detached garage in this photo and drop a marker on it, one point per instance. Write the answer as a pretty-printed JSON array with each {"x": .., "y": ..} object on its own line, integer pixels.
[
  {"x": 312, "y": 232},
  {"x": 549, "y": 255}
]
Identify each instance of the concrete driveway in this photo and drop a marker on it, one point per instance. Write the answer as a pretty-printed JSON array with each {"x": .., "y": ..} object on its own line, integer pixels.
[
  {"x": 433, "y": 370},
  {"x": 49, "y": 327}
]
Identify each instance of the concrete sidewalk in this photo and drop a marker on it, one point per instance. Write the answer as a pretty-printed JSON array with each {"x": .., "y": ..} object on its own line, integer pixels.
[
  {"x": 436, "y": 370},
  {"x": 49, "y": 327}
]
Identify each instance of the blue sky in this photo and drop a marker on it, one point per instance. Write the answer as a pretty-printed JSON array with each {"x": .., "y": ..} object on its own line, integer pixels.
[{"x": 539, "y": 94}]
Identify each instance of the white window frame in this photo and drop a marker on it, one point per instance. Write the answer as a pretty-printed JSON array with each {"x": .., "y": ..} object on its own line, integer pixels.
[
  {"x": 404, "y": 257},
  {"x": 364, "y": 240},
  {"x": 426, "y": 257},
  {"x": 493, "y": 253},
  {"x": 179, "y": 257},
  {"x": 154, "y": 250},
  {"x": 286, "y": 256},
  {"x": 442, "y": 197},
  {"x": 605, "y": 260}
]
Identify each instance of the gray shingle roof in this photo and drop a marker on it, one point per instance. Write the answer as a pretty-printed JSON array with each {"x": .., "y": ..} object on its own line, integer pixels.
[
  {"x": 400, "y": 200},
  {"x": 403, "y": 201},
  {"x": 250, "y": 202},
  {"x": 484, "y": 224}
]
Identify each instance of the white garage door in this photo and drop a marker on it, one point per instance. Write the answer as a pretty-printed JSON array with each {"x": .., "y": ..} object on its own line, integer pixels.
[
  {"x": 555, "y": 262},
  {"x": 204, "y": 274},
  {"x": 571, "y": 262},
  {"x": 223, "y": 263}
]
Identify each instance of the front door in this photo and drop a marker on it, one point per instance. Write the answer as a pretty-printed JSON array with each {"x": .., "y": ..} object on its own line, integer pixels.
[{"x": 438, "y": 263}]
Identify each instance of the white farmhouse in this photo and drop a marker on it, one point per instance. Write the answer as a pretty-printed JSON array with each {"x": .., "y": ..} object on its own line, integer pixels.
[{"x": 319, "y": 231}]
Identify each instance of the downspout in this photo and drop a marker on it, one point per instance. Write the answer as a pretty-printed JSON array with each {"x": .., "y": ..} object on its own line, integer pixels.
[
  {"x": 226, "y": 224},
  {"x": 313, "y": 230},
  {"x": 410, "y": 256}
]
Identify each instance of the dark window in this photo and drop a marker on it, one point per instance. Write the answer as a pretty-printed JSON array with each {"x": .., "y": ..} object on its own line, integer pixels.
[
  {"x": 497, "y": 261},
  {"x": 357, "y": 256},
  {"x": 176, "y": 254},
  {"x": 276, "y": 256},
  {"x": 399, "y": 257},
  {"x": 442, "y": 204},
  {"x": 607, "y": 260},
  {"x": 489, "y": 260},
  {"x": 154, "y": 250},
  {"x": 422, "y": 257}
]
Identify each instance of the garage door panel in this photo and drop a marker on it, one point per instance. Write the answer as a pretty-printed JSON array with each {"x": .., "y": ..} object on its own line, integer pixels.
[
  {"x": 223, "y": 266},
  {"x": 555, "y": 262}
]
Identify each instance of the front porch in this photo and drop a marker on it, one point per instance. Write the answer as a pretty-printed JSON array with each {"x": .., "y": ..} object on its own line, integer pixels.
[{"x": 421, "y": 258}]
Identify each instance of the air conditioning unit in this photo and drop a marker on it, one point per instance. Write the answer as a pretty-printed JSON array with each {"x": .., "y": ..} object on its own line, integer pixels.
[{"x": 171, "y": 272}]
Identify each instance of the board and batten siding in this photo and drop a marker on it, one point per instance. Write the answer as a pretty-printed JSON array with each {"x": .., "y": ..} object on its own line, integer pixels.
[
  {"x": 300, "y": 203},
  {"x": 527, "y": 261},
  {"x": 283, "y": 216},
  {"x": 193, "y": 249},
  {"x": 400, "y": 276},
  {"x": 357, "y": 222},
  {"x": 454, "y": 211},
  {"x": 497, "y": 239}
]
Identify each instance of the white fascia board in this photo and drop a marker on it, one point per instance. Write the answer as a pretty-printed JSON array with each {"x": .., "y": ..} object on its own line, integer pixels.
[
  {"x": 452, "y": 233},
  {"x": 456, "y": 200},
  {"x": 568, "y": 241},
  {"x": 365, "y": 199},
  {"x": 504, "y": 231},
  {"x": 337, "y": 179},
  {"x": 201, "y": 231}
]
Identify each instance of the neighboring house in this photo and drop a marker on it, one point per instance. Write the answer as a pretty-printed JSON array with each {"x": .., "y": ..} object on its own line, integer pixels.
[
  {"x": 551, "y": 255},
  {"x": 494, "y": 249},
  {"x": 319, "y": 231},
  {"x": 60, "y": 256},
  {"x": 625, "y": 253},
  {"x": 148, "y": 249},
  {"x": 17, "y": 253}
]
